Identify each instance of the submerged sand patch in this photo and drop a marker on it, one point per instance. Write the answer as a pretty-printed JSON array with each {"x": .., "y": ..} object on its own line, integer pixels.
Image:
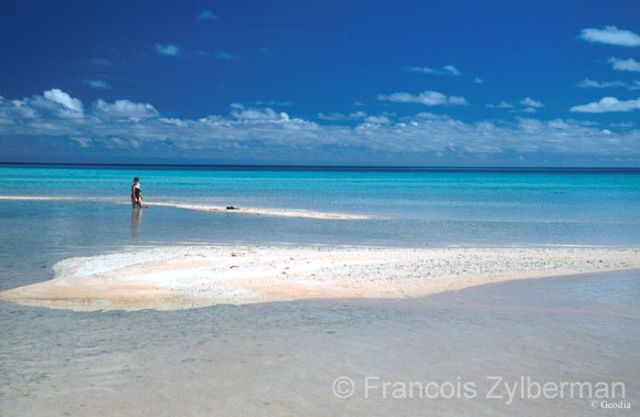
[
  {"x": 264, "y": 211},
  {"x": 253, "y": 211},
  {"x": 169, "y": 278}
]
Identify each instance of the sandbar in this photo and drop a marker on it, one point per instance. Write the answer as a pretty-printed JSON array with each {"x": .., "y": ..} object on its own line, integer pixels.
[
  {"x": 253, "y": 211},
  {"x": 180, "y": 277}
]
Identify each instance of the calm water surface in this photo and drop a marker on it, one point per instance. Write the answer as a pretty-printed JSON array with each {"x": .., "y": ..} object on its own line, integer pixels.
[
  {"x": 417, "y": 208},
  {"x": 282, "y": 358}
]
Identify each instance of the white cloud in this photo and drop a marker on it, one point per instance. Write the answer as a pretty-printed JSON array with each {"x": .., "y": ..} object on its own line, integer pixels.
[
  {"x": 208, "y": 15},
  {"x": 98, "y": 84},
  {"x": 624, "y": 64},
  {"x": 451, "y": 70},
  {"x": 608, "y": 104},
  {"x": 459, "y": 101},
  {"x": 529, "y": 102},
  {"x": 124, "y": 109},
  {"x": 358, "y": 116},
  {"x": 225, "y": 56},
  {"x": 587, "y": 83},
  {"x": 241, "y": 112},
  {"x": 428, "y": 98},
  {"x": 421, "y": 70},
  {"x": 58, "y": 96},
  {"x": 478, "y": 80},
  {"x": 168, "y": 49},
  {"x": 610, "y": 35},
  {"x": 501, "y": 105},
  {"x": 377, "y": 120},
  {"x": 267, "y": 135},
  {"x": 336, "y": 116},
  {"x": 445, "y": 70}
]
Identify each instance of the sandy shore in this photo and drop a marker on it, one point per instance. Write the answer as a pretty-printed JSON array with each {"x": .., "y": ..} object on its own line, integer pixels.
[
  {"x": 253, "y": 211},
  {"x": 170, "y": 278}
]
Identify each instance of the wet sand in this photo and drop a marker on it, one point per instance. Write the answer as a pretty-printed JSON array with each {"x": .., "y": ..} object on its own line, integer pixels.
[
  {"x": 169, "y": 278},
  {"x": 281, "y": 359}
]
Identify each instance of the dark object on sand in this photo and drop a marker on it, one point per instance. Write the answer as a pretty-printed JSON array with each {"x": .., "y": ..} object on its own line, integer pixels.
[{"x": 232, "y": 208}]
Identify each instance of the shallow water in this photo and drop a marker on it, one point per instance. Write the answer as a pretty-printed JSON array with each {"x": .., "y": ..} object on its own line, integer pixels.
[
  {"x": 282, "y": 358},
  {"x": 420, "y": 208}
]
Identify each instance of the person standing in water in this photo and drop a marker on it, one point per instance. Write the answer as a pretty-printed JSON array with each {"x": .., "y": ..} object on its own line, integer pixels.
[{"x": 136, "y": 194}]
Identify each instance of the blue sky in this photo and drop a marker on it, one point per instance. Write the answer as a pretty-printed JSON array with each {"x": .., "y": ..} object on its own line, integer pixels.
[{"x": 494, "y": 83}]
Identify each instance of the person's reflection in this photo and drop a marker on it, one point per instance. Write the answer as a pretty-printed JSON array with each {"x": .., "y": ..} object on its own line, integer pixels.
[{"x": 136, "y": 221}]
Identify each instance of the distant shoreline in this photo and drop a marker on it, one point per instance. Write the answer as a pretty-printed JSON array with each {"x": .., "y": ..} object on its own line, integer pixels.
[{"x": 336, "y": 168}]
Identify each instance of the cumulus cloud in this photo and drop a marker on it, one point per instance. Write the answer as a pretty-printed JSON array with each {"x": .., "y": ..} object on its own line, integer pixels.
[
  {"x": 208, "y": 15},
  {"x": 263, "y": 134},
  {"x": 587, "y": 83},
  {"x": 168, "y": 49},
  {"x": 527, "y": 105},
  {"x": 428, "y": 98},
  {"x": 608, "y": 104},
  {"x": 377, "y": 120},
  {"x": 624, "y": 64},
  {"x": 339, "y": 117},
  {"x": 98, "y": 84},
  {"x": 58, "y": 96},
  {"x": 358, "y": 116},
  {"x": 456, "y": 100},
  {"x": 124, "y": 109},
  {"x": 445, "y": 70},
  {"x": 241, "y": 112},
  {"x": 501, "y": 105},
  {"x": 610, "y": 35},
  {"x": 529, "y": 102},
  {"x": 451, "y": 70}
]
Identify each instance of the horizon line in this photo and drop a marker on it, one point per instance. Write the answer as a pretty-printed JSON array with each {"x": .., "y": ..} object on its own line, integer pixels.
[{"x": 300, "y": 166}]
